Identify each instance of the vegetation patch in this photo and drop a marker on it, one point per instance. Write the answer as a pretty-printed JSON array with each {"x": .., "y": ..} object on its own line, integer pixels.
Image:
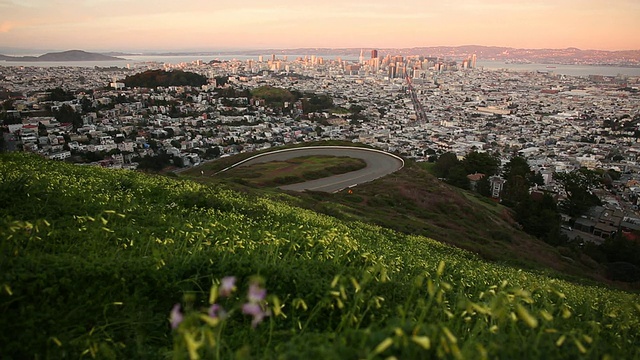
[
  {"x": 273, "y": 95},
  {"x": 277, "y": 173},
  {"x": 116, "y": 264},
  {"x": 155, "y": 78}
]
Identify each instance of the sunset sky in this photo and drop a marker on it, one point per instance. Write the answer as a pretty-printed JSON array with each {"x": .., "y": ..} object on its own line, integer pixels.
[{"x": 144, "y": 25}]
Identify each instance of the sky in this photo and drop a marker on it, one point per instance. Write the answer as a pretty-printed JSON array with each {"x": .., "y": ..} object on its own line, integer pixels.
[{"x": 209, "y": 25}]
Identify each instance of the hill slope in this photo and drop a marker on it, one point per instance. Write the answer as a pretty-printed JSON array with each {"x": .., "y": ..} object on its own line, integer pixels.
[
  {"x": 413, "y": 201},
  {"x": 93, "y": 261}
]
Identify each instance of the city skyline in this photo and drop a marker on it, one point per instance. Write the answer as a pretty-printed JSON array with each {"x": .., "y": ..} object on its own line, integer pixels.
[{"x": 117, "y": 25}]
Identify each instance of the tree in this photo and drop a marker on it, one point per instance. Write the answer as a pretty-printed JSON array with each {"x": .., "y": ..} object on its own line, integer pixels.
[
  {"x": 444, "y": 164},
  {"x": 87, "y": 105},
  {"x": 536, "y": 179},
  {"x": 212, "y": 152},
  {"x": 516, "y": 166},
  {"x": 42, "y": 130},
  {"x": 221, "y": 80},
  {"x": 540, "y": 217},
  {"x": 483, "y": 187},
  {"x": 516, "y": 190},
  {"x": 481, "y": 162},
  {"x": 155, "y": 163},
  {"x": 66, "y": 114},
  {"x": 59, "y": 94},
  {"x": 458, "y": 177},
  {"x": 315, "y": 103},
  {"x": 8, "y": 104},
  {"x": 578, "y": 185}
]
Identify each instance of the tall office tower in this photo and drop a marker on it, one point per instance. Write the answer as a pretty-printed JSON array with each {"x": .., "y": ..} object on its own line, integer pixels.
[
  {"x": 387, "y": 60},
  {"x": 376, "y": 64},
  {"x": 400, "y": 70},
  {"x": 273, "y": 57},
  {"x": 361, "y": 57},
  {"x": 473, "y": 61},
  {"x": 260, "y": 58},
  {"x": 374, "y": 54}
]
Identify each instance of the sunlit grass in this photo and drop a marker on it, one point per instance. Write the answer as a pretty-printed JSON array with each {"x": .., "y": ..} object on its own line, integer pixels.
[{"x": 93, "y": 261}]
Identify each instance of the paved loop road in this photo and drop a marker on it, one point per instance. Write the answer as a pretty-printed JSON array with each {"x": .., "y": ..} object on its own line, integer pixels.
[{"x": 379, "y": 164}]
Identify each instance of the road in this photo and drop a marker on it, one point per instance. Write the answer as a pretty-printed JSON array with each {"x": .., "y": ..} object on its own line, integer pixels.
[{"x": 379, "y": 164}]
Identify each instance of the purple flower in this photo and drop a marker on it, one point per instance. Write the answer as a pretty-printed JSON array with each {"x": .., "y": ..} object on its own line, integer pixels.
[
  {"x": 176, "y": 316},
  {"x": 227, "y": 285},
  {"x": 256, "y": 311},
  {"x": 256, "y": 293},
  {"x": 216, "y": 311}
]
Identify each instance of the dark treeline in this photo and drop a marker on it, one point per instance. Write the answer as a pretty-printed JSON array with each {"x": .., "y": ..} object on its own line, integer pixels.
[{"x": 155, "y": 78}]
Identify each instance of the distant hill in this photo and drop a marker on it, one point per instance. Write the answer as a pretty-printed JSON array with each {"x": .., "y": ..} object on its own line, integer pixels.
[
  {"x": 155, "y": 78},
  {"x": 70, "y": 55}
]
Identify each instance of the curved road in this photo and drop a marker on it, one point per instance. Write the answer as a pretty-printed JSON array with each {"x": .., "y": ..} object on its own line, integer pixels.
[{"x": 379, "y": 164}]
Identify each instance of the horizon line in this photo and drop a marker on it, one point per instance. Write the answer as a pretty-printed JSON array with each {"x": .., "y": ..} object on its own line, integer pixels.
[{"x": 197, "y": 50}]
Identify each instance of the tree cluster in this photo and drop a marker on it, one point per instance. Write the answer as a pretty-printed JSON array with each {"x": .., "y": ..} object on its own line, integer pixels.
[
  {"x": 59, "y": 94},
  {"x": 455, "y": 171},
  {"x": 66, "y": 114},
  {"x": 155, "y": 78},
  {"x": 273, "y": 96},
  {"x": 316, "y": 103}
]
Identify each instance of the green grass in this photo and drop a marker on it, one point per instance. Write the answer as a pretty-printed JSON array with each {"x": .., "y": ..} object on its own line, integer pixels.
[
  {"x": 277, "y": 173},
  {"x": 93, "y": 260},
  {"x": 412, "y": 201}
]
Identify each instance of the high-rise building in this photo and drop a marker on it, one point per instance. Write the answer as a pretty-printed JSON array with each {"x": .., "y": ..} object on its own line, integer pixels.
[
  {"x": 392, "y": 71},
  {"x": 375, "y": 64},
  {"x": 374, "y": 54},
  {"x": 361, "y": 57},
  {"x": 473, "y": 61}
]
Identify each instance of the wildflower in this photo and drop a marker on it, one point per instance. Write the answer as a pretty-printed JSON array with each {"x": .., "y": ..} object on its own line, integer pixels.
[
  {"x": 227, "y": 285},
  {"x": 176, "y": 316},
  {"x": 217, "y": 312},
  {"x": 256, "y": 311},
  {"x": 256, "y": 293}
]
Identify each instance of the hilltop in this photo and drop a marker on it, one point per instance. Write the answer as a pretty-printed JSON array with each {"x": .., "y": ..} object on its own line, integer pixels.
[
  {"x": 69, "y": 55},
  {"x": 93, "y": 261}
]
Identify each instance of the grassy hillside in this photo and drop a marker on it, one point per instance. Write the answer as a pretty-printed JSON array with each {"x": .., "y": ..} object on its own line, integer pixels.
[
  {"x": 413, "y": 201},
  {"x": 93, "y": 261}
]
